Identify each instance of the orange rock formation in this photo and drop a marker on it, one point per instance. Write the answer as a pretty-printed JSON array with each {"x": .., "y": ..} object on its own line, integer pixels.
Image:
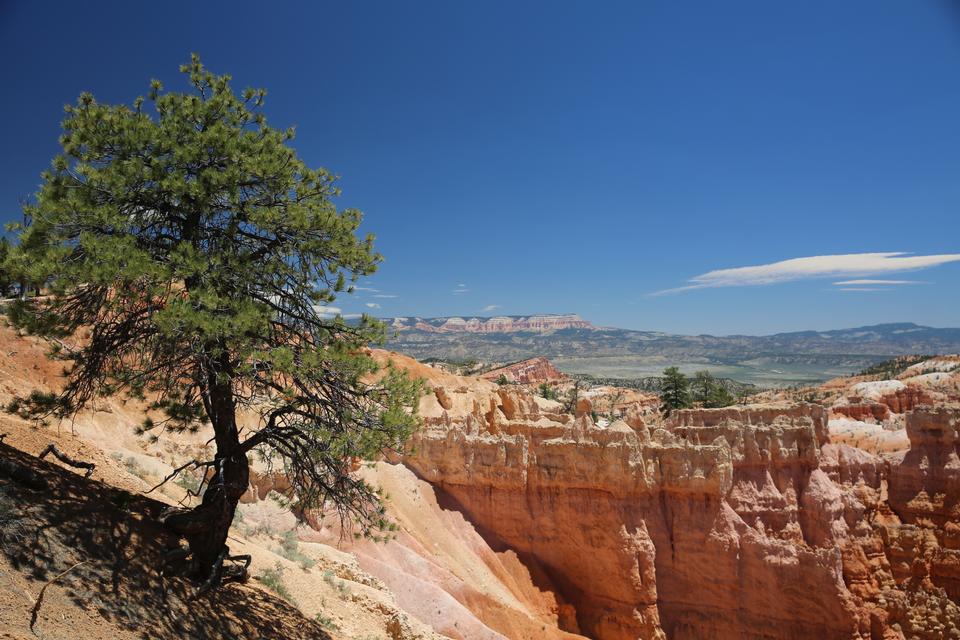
[
  {"x": 718, "y": 523},
  {"x": 532, "y": 371}
]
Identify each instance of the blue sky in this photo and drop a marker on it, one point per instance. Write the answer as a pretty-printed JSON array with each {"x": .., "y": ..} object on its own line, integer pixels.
[{"x": 574, "y": 157}]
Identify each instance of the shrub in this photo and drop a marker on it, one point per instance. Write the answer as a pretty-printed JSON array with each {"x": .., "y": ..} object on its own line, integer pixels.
[
  {"x": 336, "y": 583},
  {"x": 546, "y": 391},
  {"x": 327, "y": 622},
  {"x": 134, "y": 468},
  {"x": 290, "y": 549},
  {"x": 273, "y": 579},
  {"x": 188, "y": 482}
]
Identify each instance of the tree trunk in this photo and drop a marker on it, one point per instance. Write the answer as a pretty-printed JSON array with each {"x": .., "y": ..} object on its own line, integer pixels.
[
  {"x": 217, "y": 509},
  {"x": 207, "y": 525}
]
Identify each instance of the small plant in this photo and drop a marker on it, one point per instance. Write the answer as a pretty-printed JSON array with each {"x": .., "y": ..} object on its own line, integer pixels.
[
  {"x": 290, "y": 549},
  {"x": 336, "y": 583},
  {"x": 502, "y": 380},
  {"x": 273, "y": 579},
  {"x": 188, "y": 482},
  {"x": 327, "y": 622},
  {"x": 134, "y": 468},
  {"x": 263, "y": 528}
]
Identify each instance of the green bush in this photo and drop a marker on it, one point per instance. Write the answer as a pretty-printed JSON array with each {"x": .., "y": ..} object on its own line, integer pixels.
[
  {"x": 134, "y": 468},
  {"x": 336, "y": 583},
  {"x": 327, "y": 622},
  {"x": 273, "y": 579},
  {"x": 546, "y": 391},
  {"x": 188, "y": 482},
  {"x": 290, "y": 549}
]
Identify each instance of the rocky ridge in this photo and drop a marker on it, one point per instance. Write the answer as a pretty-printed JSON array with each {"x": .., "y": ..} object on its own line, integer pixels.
[
  {"x": 496, "y": 324},
  {"x": 721, "y": 523},
  {"x": 532, "y": 371}
]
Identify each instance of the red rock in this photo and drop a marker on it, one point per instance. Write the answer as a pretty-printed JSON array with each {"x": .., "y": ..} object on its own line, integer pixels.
[{"x": 532, "y": 371}]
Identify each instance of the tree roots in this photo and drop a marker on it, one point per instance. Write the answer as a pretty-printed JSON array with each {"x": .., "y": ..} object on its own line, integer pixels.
[{"x": 65, "y": 459}]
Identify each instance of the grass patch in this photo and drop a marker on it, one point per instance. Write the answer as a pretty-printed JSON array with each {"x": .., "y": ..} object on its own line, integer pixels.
[
  {"x": 342, "y": 589},
  {"x": 133, "y": 467},
  {"x": 290, "y": 549},
  {"x": 272, "y": 579},
  {"x": 327, "y": 622}
]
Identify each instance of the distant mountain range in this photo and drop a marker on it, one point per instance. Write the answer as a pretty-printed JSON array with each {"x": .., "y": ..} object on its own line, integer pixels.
[
  {"x": 577, "y": 346},
  {"x": 495, "y": 324}
]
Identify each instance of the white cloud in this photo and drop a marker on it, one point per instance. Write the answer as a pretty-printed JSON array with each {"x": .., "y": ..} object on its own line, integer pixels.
[
  {"x": 373, "y": 305},
  {"x": 386, "y": 295},
  {"x": 491, "y": 307},
  {"x": 846, "y": 283},
  {"x": 850, "y": 264},
  {"x": 366, "y": 289},
  {"x": 461, "y": 288},
  {"x": 327, "y": 312},
  {"x": 862, "y": 289}
]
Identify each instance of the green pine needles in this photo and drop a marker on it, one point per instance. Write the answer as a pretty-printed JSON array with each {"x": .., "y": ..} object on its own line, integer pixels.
[{"x": 186, "y": 256}]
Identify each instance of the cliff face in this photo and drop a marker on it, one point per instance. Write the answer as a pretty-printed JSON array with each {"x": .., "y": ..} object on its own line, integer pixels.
[
  {"x": 532, "y": 371},
  {"x": 497, "y": 324},
  {"x": 880, "y": 406},
  {"x": 725, "y": 523},
  {"x": 924, "y": 490}
]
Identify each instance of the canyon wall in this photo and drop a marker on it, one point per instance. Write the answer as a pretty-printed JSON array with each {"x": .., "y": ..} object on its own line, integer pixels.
[{"x": 726, "y": 523}]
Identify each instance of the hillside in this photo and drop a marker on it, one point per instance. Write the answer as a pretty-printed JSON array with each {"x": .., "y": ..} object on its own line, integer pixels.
[
  {"x": 107, "y": 542},
  {"x": 774, "y": 360},
  {"x": 438, "y": 578},
  {"x": 722, "y": 523}
]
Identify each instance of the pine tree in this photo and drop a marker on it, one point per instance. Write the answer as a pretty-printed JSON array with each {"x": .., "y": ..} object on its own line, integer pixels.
[
  {"x": 674, "y": 392},
  {"x": 719, "y": 397},
  {"x": 709, "y": 392},
  {"x": 6, "y": 281},
  {"x": 198, "y": 253},
  {"x": 701, "y": 386}
]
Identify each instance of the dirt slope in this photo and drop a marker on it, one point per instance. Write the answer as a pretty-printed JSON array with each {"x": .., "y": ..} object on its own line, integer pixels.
[{"x": 116, "y": 589}]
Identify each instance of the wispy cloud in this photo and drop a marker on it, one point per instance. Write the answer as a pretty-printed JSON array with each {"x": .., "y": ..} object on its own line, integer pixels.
[
  {"x": 327, "y": 312},
  {"x": 850, "y": 264},
  {"x": 856, "y": 283},
  {"x": 862, "y": 289},
  {"x": 368, "y": 289},
  {"x": 372, "y": 305},
  {"x": 461, "y": 288},
  {"x": 386, "y": 295},
  {"x": 491, "y": 307}
]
